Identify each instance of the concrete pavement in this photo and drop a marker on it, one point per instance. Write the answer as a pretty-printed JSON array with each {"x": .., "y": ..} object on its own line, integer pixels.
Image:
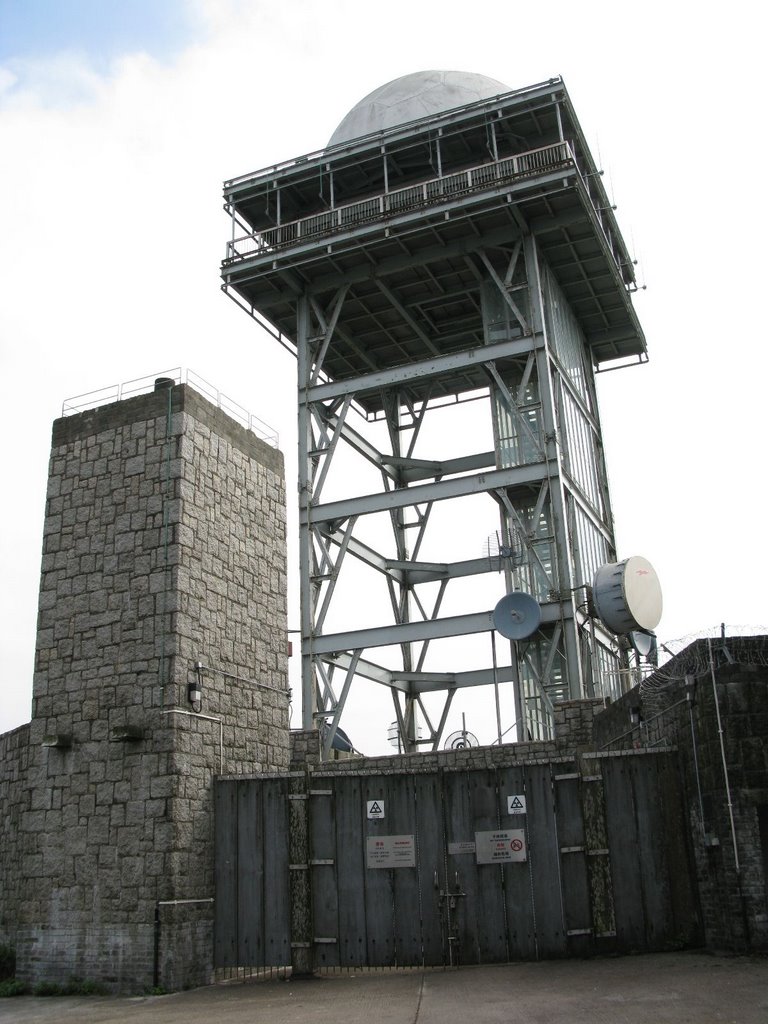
[{"x": 667, "y": 988}]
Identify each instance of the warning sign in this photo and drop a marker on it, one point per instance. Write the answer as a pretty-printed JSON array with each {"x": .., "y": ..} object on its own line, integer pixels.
[
  {"x": 500, "y": 847},
  {"x": 390, "y": 852},
  {"x": 465, "y": 846},
  {"x": 516, "y": 804},
  {"x": 375, "y": 808}
]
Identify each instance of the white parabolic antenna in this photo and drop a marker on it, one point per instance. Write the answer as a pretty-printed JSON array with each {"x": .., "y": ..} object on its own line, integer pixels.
[
  {"x": 627, "y": 595},
  {"x": 517, "y": 616}
]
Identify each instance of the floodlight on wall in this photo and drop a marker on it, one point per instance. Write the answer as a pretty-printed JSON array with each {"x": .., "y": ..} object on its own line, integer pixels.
[{"x": 195, "y": 688}]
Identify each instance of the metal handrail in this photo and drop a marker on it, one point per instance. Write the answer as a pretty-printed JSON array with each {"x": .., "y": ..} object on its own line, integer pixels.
[
  {"x": 142, "y": 385},
  {"x": 427, "y": 193}
]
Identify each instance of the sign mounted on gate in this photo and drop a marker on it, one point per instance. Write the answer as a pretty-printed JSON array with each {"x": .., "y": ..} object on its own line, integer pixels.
[
  {"x": 501, "y": 847},
  {"x": 516, "y": 804},
  {"x": 390, "y": 852},
  {"x": 375, "y": 808}
]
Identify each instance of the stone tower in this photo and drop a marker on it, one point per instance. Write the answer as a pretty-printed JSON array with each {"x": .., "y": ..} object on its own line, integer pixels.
[{"x": 160, "y": 662}]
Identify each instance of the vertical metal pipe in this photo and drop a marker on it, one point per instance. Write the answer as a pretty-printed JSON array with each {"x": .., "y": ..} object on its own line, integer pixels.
[
  {"x": 304, "y": 367},
  {"x": 724, "y": 759},
  {"x": 690, "y": 685},
  {"x": 496, "y": 686},
  {"x": 549, "y": 412}
]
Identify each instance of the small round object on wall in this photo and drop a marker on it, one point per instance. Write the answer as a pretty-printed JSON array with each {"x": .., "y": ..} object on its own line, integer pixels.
[
  {"x": 517, "y": 616},
  {"x": 627, "y": 595}
]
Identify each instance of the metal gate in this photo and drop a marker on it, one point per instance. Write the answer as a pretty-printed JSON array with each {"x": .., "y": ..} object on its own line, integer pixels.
[{"x": 518, "y": 862}]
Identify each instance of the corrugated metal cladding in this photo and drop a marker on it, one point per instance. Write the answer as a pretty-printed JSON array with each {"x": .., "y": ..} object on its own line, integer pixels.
[{"x": 605, "y": 866}]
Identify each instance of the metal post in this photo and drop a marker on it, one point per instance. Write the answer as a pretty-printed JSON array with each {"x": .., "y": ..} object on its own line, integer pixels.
[
  {"x": 304, "y": 362},
  {"x": 563, "y": 559}
]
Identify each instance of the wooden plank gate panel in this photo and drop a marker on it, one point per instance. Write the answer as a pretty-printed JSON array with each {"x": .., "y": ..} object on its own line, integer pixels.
[
  {"x": 544, "y": 862},
  {"x": 430, "y": 865},
  {"x": 574, "y": 876},
  {"x": 350, "y": 871},
  {"x": 518, "y": 890},
  {"x": 607, "y": 865},
  {"x": 251, "y": 910}
]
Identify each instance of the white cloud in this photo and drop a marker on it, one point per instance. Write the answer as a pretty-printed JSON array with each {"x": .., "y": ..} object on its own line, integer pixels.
[{"x": 110, "y": 201}]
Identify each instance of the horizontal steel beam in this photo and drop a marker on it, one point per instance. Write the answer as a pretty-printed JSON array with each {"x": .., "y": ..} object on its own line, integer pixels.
[
  {"x": 412, "y": 572},
  {"x": 430, "y": 572},
  {"x": 422, "y": 682},
  {"x": 384, "y": 501},
  {"x": 363, "y": 553},
  {"x": 435, "y": 366},
  {"x": 411, "y": 470},
  {"x": 367, "y": 670},
  {"x": 433, "y": 682},
  {"x": 413, "y": 632}
]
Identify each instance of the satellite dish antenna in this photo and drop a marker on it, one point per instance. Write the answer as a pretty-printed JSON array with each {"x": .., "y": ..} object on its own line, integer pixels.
[
  {"x": 517, "y": 616},
  {"x": 461, "y": 740},
  {"x": 627, "y": 595}
]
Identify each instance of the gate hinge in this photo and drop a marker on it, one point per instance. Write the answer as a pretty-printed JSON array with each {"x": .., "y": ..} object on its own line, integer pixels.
[
  {"x": 598, "y": 853},
  {"x": 318, "y": 860},
  {"x": 324, "y": 942},
  {"x": 579, "y": 931},
  {"x": 572, "y": 849},
  {"x": 298, "y": 867},
  {"x": 321, "y": 792}
]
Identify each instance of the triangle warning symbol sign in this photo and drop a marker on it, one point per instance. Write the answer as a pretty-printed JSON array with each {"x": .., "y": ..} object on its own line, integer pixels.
[
  {"x": 375, "y": 809},
  {"x": 516, "y": 804}
]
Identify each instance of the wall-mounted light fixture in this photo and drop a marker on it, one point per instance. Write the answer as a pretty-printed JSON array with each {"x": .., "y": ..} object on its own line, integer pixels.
[
  {"x": 635, "y": 715},
  {"x": 195, "y": 688}
]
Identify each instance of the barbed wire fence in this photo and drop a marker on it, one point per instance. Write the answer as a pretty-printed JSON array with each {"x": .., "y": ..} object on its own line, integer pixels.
[{"x": 694, "y": 656}]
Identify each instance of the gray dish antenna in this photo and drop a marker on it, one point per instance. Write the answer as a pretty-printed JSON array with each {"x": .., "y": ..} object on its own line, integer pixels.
[
  {"x": 517, "y": 616},
  {"x": 627, "y": 595}
]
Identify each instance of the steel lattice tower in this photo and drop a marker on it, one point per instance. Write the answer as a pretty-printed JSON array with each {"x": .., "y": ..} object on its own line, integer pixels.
[{"x": 468, "y": 253}]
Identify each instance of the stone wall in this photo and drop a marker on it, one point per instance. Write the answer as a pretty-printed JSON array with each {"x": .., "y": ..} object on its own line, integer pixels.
[
  {"x": 679, "y": 706},
  {"x": 15, "y": 801},
  {"x": 164, "y": 548}
]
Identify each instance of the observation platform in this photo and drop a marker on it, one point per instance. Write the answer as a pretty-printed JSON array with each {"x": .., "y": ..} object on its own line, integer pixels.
[{"x": 403, "y": 218}]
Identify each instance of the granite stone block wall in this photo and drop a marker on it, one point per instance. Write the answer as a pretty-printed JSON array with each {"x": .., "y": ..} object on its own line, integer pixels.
[
  {"x": 15, "y": 801},
  {"x": 163, "y": 565}
]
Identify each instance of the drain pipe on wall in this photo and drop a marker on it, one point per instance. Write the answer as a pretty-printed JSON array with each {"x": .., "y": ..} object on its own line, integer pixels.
[
  {"x": 725, "y": 762},
  {"x": 207, "y": 718},
  {"x": 690, "y": 696},
  {"x": 742, "y": 897}
]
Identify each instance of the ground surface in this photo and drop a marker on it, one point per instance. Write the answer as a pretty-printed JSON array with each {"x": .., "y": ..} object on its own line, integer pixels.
[{"x": 671, "y": 988}]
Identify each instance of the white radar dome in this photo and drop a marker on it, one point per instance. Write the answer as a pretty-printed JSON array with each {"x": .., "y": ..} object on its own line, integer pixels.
[
  {"x": 411, "y": 97},
  {"x": 627, "y": 595}
]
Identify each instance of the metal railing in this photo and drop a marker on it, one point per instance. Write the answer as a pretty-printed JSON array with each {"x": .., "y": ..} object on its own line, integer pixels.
[
  {"x": 142, "y": 385},
  {"x": 413, "y": 197}
]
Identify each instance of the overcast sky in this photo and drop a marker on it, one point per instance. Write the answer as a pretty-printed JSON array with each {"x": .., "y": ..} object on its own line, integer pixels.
[{"x": 120, "y": 120}]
